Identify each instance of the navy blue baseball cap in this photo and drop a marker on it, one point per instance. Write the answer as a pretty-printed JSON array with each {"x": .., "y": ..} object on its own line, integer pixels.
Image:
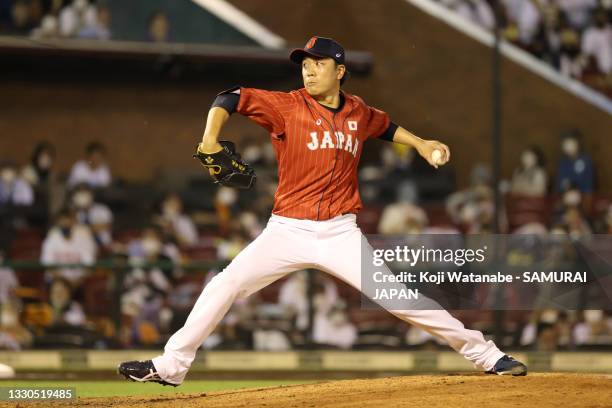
[{"x": 321, "y": 47}]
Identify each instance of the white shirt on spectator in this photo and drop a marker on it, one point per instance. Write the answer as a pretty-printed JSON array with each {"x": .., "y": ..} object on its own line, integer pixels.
[
  {"x": 185, "y": 229},
  {"x": 71, "y": 20},
  {"x": 577, "y": 11},
  {"x": 597, "y": 42},
  {"x": 74, "y": 316},
  {"x": 530, "y": 182},
  {"x": 397, "y": 217},
  {"x": 97, "y": 214},
  {"x": 526, "y": 16},
  {"x": 483, "y": 14},
  {"x": 79, "y": 248},
  {"x": 528, "y": 21},
  {"x": 82, "y": 173},
  {"x": 18, "y": 192},
  {"x": 8, "y": 283}
]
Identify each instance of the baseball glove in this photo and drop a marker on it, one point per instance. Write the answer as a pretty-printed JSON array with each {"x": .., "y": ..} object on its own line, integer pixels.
[{"x": 226, "y": 167}]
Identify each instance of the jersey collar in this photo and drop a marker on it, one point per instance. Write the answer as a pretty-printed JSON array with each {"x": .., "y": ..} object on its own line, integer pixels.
[{"x": 344, "y": 105}]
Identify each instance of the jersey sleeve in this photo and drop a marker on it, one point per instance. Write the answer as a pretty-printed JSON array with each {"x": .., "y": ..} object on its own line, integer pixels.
[
  {"x": 377, "y": 122},
  {"x": 264, "y": 108}
]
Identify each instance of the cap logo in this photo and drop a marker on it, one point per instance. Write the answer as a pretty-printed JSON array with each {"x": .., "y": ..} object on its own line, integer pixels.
[
  {"x": 338, "y": 55},
  {"x": 311, "y": 42}
]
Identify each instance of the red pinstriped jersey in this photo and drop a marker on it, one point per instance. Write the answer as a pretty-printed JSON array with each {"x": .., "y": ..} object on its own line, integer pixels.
[{"x": 317, "y": 150}]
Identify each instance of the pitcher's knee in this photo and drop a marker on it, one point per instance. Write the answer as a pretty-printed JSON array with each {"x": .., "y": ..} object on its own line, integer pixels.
[{"x": 228, "y": 283}]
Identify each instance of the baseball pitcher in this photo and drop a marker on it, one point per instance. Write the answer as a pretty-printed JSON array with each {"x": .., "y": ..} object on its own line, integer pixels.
[{"x": 318, "y": 133}]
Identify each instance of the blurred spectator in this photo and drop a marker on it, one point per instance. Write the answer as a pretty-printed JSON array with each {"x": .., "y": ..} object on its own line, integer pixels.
[
  {"x": 101, "y": 27},
  {"x": 577, "y": 224},
  {"x": 250, "y": 224},
  {"x": 8, "y": 282},
  {"x": 49, "y": 28},
  {"x": 570, "y": 64},
  {"x": 225, "y": 203},
  {"x": 65, "y": 310},
  {"x": 482, "y": 13},
  {"x": 530, "y": 177},
  {"x": 16, "y": 203},
  {"x": 575, "y": 167},
  {"x": 594, "y": 327},
  {"x": 14, "y": 191},
  {"x": 22, "y": 22},
  {"x": 526, "y": 16},
  {"x": 97, "y": 216},
  {"x": 159, "y": 27},
  {"x": 13, "y": 336},
  {"x": 75, "y": 17},
  {"x": 175, "y": 223},
  {"x": 604, "y": 223},
  {"x": 547, "y": 330},
  {"x": 331, "y": 325},
  {"x": 228, "y": 248},
  {"x": 472, "y": 208},
  {"x": 150, "y": 248},
  {"x": 68, "y": 243},
  {"x": 571, "y": 198},
  {"x": 147, "y": 286},
  {"x": 404, "y": 216},
  {"x": 577, "y": 11},
  {"x": 551, "y": 30},
  {"x": 597, "y": 42},
  {"x": 41, "y": 175},
  {"x": 293, "y": 296},
  {"x": 569, "y": 214},
  {"x": 40, "y": 170},
  {"x": 477, "y": 11},
  {"x": 92, "y": 169}
]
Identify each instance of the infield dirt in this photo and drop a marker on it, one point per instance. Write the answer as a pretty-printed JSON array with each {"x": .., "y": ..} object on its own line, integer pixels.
[{"x": 457, "y": 391}]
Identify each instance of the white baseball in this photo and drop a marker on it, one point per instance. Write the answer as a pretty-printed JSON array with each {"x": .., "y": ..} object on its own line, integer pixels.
[{"x": 436, "y": 156}]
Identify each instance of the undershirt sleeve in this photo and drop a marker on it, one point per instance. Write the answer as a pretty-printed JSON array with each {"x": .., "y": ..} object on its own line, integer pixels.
[
  {"x": 389, "y": 133},
  {"x": 227, "y": 100}
]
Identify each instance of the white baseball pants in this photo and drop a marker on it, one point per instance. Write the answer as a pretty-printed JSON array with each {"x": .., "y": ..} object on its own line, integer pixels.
[{"x": 287, "y": 245}]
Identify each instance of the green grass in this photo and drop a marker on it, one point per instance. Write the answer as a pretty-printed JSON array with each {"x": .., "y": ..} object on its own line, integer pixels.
[{"x": 118, "y": 388}]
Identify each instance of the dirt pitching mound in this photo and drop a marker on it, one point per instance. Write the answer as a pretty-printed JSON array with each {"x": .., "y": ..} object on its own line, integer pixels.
[{"x": 471, "y": 390}]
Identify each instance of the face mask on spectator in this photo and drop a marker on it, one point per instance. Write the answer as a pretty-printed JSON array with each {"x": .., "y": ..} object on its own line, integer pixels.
[
  {"x": 65, "y": 231},
  {"x": 82, "y": 199},
  {"x": 529, "y": 160},
  {"x": 151, "y": 246},
  {"x": 572, "y": 198},
  {"x": 570, "y": 147},
  {"x": 8, "y": 175}
]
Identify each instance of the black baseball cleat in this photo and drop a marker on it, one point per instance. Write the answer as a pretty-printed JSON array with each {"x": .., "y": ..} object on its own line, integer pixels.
[
  {"x": 141, "y": 371},
  {"x": 508, "y": 366}
]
